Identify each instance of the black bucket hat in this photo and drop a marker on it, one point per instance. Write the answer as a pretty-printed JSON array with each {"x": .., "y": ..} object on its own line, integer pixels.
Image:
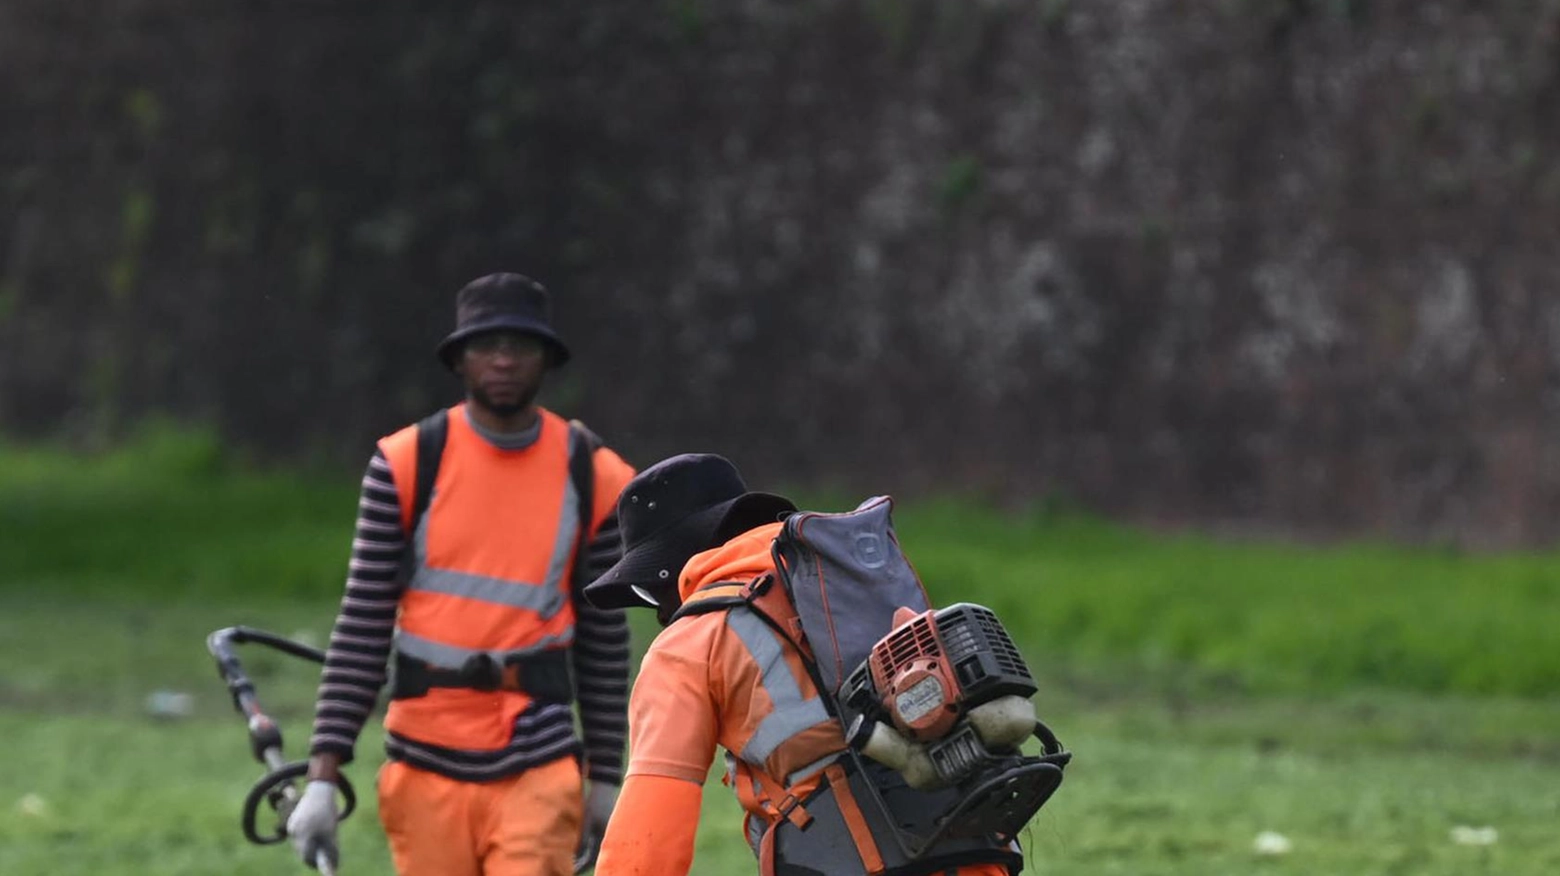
[
  {"x": 503, "y": 301},
  {"x": 669, "y": 512}
]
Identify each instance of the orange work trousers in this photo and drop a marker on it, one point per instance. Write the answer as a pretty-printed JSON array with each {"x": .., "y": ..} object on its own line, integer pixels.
[{"x": 525, "y": 825}]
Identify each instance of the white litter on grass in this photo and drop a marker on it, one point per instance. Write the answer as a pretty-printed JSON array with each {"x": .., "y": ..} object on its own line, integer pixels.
[
  {"x": 33, "y": 805},
  {"x": 168, "y": 704},
  {"x": 1271, "y": 843},
  {"x": 1464, "y": 835}
]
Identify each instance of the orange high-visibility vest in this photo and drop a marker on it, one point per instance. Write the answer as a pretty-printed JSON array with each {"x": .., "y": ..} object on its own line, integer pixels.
[{"x": 490, "y": 572}]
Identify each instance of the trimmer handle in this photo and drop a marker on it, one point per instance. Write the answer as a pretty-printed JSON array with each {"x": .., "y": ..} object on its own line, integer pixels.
[{"x": 277, "y": 788}]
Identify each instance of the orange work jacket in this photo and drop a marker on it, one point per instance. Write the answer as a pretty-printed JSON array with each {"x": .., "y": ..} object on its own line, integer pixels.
[
  {"x": 727, "y": 677},
  {"x": 777, "y": 733},
  {"x": 491, "y": 567}
]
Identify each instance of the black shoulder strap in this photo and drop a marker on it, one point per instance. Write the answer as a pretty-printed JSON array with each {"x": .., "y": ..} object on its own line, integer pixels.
[
  {"x": 432, "y": 431},
  {"x": 705, "y": 606},
  {"x": 583, "y": 444}
]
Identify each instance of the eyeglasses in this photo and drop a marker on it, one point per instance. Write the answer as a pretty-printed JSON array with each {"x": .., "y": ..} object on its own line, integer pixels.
[{"x": 514, "y": 343}]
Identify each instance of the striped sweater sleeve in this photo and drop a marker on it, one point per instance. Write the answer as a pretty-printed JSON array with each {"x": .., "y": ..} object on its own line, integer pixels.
[
  {"x": 600, "y": 656},
  {"x": 359, "y": 649}
]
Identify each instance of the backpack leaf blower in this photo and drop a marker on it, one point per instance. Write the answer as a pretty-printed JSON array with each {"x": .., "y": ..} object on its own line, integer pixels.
[{"x": 944, "y": 699}]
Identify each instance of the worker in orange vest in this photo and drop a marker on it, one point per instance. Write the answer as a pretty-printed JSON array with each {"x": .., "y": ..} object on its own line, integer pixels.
[
  {"x": 477, "y": 528},
  {"x": 731, "y": 670}
]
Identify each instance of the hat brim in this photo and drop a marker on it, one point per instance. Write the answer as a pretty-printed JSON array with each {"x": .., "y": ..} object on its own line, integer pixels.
[
  {"x": 449, "y": 348},
  {"x": 643, "y": 564}
]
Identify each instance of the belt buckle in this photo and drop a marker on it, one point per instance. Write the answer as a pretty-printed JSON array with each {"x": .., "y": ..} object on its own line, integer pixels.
[{"x": 481, "y": 672}]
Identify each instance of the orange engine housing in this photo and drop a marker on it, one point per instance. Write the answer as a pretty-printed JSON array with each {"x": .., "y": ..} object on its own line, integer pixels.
[{"x": 914, "y": 678}]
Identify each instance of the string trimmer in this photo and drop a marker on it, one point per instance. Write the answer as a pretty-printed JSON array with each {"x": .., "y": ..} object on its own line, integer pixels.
[{"x": 278, "y": 787}]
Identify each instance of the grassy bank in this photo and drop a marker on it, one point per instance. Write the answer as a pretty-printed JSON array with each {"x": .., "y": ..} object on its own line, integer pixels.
[
  {"x": 166, "y": 518},
  {"x": 1377, "y": 707},
  {"x": 1165, "y": 782},
  {"x": 1264, "y": 617}
]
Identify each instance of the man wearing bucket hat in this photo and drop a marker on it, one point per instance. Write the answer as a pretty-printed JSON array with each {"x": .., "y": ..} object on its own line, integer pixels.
[
  {"x": 696, "y": 537},
  {"x": 477, "y": 529}
]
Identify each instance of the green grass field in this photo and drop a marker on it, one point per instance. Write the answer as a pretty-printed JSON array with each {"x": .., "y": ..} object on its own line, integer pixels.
[{"x": 1377, "y": 707}]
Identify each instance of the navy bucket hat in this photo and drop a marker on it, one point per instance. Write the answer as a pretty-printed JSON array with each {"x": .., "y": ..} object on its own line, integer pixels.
[{"x": 503, "y": 301}]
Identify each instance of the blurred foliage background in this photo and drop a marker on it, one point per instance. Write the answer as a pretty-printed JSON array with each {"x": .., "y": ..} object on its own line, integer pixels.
[{"x": 1272, "y": 265}]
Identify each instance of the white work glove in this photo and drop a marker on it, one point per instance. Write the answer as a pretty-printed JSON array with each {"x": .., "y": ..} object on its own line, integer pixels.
[
  {"x": 599, "y": 802},
  {"x": 312, "y": 825}
]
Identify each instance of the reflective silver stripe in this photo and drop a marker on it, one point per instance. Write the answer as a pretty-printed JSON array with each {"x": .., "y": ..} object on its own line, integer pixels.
[
  {"x": 792, "y": 714},
  {"x": 563, "y": 544},
  {"x": 804, "y": 771},
  {"x": 546, "y": 599},
  {"x": 453, "y": 657}
]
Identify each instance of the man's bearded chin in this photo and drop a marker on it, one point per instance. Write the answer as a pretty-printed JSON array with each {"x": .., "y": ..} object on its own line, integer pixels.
[{"x": 504, "y": 409}]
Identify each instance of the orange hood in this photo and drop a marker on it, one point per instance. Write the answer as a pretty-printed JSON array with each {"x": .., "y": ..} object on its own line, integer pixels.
[{"x": 740, "y": 559}]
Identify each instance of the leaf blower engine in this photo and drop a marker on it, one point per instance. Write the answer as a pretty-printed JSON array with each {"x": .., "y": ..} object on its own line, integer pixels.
[{"x": 944, "y": 699}]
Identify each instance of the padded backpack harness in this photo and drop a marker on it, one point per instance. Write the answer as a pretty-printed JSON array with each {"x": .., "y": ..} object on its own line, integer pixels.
[
  {"x": 754, "y": 788},
  {"x": 545, "y": 675}
]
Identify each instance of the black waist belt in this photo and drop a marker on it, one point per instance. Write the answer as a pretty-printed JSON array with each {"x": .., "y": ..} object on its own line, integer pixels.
[{"x": 544, "y": 675}]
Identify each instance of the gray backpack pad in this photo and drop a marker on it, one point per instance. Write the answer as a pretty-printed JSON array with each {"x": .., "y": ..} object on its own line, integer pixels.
[{"x": 846, "y": 576}]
